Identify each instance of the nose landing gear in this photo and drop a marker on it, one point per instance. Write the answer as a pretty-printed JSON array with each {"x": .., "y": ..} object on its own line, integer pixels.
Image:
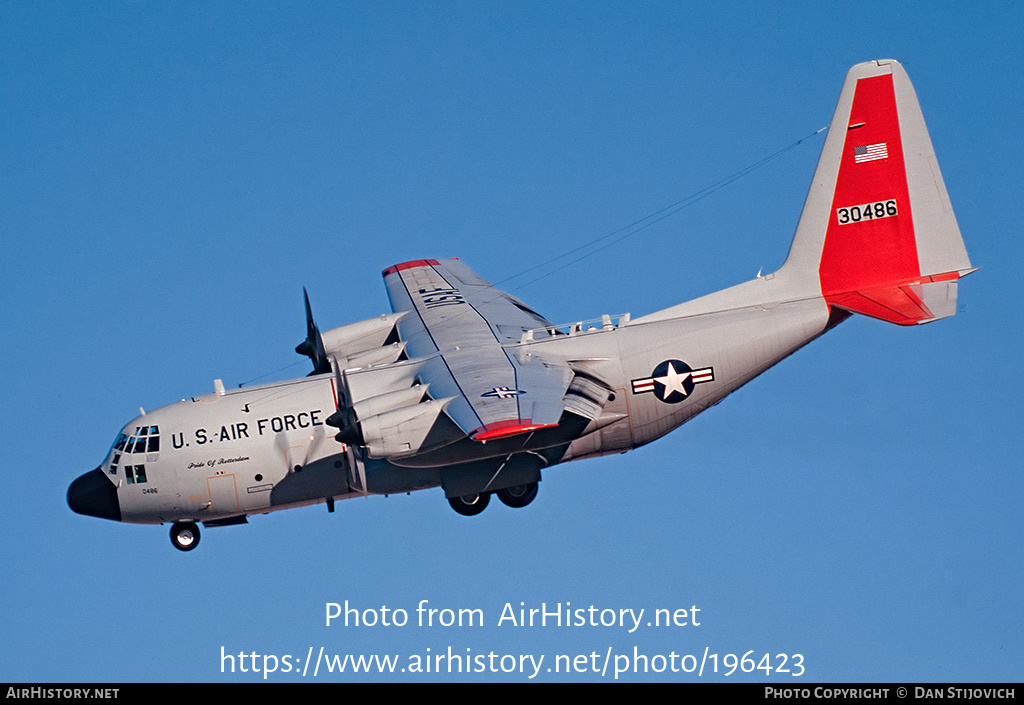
[{"x": 184, "y": 535}]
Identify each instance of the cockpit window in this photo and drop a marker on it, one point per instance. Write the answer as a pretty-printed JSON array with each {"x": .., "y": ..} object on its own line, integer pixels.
[{"x": 145, "y": 439}]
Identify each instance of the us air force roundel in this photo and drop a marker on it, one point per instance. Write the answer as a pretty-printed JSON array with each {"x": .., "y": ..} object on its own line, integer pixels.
[
  {"x": 503, "y": 393},
  {"x": 673, "y": 381}
]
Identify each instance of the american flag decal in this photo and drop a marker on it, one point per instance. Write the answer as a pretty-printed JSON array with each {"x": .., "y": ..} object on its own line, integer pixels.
[{"x": 870, "y": 152}]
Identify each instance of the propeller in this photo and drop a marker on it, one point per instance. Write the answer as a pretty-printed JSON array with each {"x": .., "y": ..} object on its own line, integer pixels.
[
  {"x": 296, "y": 450},
  {"x": 313, "y": 346},
  {"x": 283, "y": 449},
  {"x": 344, "y": 419}
]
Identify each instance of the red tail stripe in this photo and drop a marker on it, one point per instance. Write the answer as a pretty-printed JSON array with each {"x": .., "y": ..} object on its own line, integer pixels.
[{"x": 873, "y": 252}]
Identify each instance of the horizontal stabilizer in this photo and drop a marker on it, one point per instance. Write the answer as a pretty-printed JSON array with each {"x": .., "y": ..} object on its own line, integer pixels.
[{"x": 921, "y": 301}]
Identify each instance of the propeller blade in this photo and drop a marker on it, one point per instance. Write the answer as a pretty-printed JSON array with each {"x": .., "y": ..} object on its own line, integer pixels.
[
  {"x": 344, "y": 419},
  {"x": 313, "y": 346}
]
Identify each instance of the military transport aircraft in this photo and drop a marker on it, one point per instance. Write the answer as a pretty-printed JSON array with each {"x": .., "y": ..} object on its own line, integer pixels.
[{"x": 466, "y": 388}]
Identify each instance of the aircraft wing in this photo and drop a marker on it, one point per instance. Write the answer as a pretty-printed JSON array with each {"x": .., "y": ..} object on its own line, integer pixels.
[{"x": 460, "y": 324}]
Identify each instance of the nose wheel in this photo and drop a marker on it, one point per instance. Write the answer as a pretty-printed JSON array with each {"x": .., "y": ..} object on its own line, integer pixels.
[{"x": 184, "y": 535}]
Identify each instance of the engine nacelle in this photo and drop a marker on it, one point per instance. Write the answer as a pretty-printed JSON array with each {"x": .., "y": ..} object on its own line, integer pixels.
[
  {"x": 402, "y": 432},
  {"x": 370, "y": 382},
  {"x": 357, "y": 337},
  {"x": 380, "y": 355},
  {"x": 389, "y": 401},
  {"x": 346, "y": 419}
]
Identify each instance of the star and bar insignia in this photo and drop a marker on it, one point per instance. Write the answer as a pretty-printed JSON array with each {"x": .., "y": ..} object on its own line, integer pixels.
[
  {"x": 503, "y": 393},
  {"x": 673, "y": 381}
]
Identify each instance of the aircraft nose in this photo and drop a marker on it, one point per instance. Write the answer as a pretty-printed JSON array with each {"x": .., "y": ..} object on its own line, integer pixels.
[{"x": 94, "y": 495}]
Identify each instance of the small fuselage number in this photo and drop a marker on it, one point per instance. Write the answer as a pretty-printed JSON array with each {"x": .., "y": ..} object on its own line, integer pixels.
[{"x": 868, "y": 211}]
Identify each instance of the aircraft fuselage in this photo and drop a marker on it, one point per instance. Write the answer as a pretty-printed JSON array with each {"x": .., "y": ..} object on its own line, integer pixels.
[{"x": 237, "y": 452}]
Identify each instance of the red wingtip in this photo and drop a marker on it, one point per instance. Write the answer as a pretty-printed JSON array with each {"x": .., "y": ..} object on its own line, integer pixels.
[
  {"x": 504, "y": 429},
  {"x": 409, "y": 265}
]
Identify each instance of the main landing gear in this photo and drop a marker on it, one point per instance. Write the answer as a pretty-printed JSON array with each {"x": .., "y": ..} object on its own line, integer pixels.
[
  {"x": 184, "y": 535},
  {"x": 472, "y": 504},
  {"x": 518, "y": 496}
]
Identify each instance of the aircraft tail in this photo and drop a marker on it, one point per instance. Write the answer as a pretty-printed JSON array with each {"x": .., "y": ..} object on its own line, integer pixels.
[{"x": 877, "y": 232}]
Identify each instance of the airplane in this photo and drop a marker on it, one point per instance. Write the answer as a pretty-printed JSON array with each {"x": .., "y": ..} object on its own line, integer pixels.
[{"x": 465, "y": 387}]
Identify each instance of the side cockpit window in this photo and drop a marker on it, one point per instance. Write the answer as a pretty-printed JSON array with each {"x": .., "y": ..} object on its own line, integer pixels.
[{"x": 135, "y": 474}]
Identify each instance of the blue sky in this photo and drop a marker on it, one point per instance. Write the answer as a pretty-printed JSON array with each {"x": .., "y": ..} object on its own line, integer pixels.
[{"x": 172, "y": 175}]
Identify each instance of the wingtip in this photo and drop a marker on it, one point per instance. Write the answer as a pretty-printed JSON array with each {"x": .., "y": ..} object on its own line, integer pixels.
[
  {"x": 504, "y": 429},
  {"x": 409, "y": 265}
]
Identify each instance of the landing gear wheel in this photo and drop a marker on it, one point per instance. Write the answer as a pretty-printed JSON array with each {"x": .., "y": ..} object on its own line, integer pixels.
[
  {"x": 518, "y": 496},
  {"x": 184, "y": 535},
  {"x": 470, "y": 504}
]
